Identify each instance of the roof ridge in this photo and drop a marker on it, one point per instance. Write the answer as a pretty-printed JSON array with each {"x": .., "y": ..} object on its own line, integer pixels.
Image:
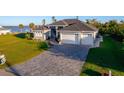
[
  {"x": 65, "y": 22},
  {"x": 90, "y": 26}
]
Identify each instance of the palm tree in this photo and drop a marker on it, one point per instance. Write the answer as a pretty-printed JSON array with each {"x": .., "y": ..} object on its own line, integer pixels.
[
  {"x": 31, "y": 26},
  {"x": 43, "y": 22},
  {"x": 53, "y": 19},
  {"x": 21, "y": 26}
]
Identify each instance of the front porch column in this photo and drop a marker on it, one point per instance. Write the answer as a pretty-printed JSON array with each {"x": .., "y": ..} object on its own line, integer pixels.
[
  {"x": 60, "y": 42},
  {"x": 56, "y": 31}
]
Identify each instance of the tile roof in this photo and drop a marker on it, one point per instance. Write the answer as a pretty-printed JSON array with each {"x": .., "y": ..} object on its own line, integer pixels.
[
  {"x": 71, "y": 21},
  {"x": 74, "y": 25},
  {"x": 58, "y": 23},
  {"x": 65, "y": 22},
  {"x": 41, "y": 27},
  {"x": 80, "y": 26},
  {"x": 2, "y": 28}
]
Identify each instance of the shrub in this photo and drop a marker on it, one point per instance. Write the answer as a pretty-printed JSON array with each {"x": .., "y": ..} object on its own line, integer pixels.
[
  {"x": 29, "y": 36},
  {"x": 20, "y": 35},
  {"x": 42, "y": 45}
]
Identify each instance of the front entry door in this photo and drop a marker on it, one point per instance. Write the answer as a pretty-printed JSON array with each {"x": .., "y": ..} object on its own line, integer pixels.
[{"x": 53, "y": 33}]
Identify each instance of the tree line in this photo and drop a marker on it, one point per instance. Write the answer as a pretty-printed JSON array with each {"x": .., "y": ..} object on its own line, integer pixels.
[{"x": 112, "y": 28}]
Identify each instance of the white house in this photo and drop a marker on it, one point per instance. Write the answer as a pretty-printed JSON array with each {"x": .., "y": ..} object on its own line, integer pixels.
[
  {"x": 68, "y": 31},
  {"x": 41, "y": 32},
  {"x": 4, "y": 31},
  {"x": 73, "y": 31}
]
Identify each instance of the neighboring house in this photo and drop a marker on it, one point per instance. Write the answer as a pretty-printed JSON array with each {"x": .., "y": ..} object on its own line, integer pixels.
[
  {"x": 41, "y": 32},
  {"x": 73, "y": 31},
  {"x": 4, "y": 31}
]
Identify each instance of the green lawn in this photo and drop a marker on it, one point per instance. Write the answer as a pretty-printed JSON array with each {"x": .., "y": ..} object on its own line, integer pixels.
[
  {"x": 18, "y": 49},
  {"x": 110, "y": 56}
]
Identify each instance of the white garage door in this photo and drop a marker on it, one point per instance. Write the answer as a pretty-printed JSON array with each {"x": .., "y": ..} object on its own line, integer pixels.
[
  {"x": 70, "y": 38},
  {"x": 87, "y": 39}
]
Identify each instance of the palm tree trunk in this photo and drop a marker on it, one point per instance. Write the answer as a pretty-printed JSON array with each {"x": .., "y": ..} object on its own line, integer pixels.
[
  {"x": 30, "y": 30},
  {"x": 20, "y": 30}
]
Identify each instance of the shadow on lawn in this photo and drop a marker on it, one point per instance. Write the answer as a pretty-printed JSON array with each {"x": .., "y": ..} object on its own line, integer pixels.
[
  {"x": 108, "y": 57},
  {"x": 12, "y": 70},
  {"x": 90, "y": 72},
  {"x": 20, "y": 35}
]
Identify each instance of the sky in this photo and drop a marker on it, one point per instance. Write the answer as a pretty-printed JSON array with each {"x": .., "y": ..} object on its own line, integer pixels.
[{"x": 15, "y": 20}]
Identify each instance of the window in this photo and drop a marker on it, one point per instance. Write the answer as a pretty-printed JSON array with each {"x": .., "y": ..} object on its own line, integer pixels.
[
  {"x": 60, "y": 27},
  {"x": 77, "y": 37},
  {"x": 89, "y": 34}
]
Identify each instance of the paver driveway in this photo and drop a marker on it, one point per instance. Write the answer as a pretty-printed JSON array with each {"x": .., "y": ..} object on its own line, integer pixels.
[{"x": 60, "y": 60}]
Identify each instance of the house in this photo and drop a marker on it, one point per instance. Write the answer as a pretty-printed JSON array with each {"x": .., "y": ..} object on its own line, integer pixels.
[
  {"x": 41, "y": 32},
  {"x": 4, "y": 31},
  {"x": 67, "y": 31},
  {"x": 73, "y": 31}
]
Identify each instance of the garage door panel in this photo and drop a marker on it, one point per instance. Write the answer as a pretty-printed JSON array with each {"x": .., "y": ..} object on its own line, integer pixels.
[
  {"x": 68, "y": 38},
  {"x": 68, "y": 41},
  {"x": 87, "y": 39}
]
